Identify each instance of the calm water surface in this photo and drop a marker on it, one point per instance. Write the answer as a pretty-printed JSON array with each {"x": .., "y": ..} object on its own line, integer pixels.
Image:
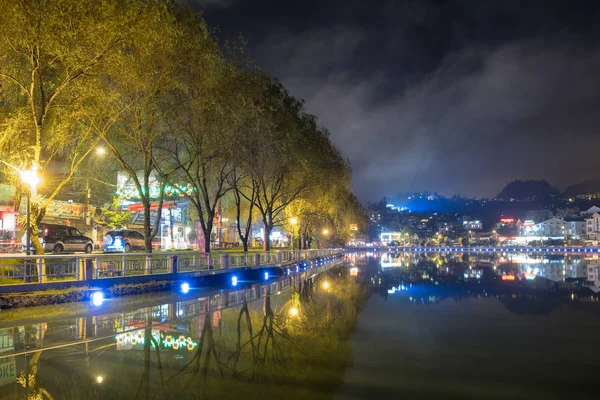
[{"x": 378, "y": 326}]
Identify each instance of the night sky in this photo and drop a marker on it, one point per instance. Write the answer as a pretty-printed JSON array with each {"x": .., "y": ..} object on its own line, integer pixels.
[{"x": 454, "y": 97}]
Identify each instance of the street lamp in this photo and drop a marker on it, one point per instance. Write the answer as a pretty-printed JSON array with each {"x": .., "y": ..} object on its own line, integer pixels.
[
  {"x": 293, "y": 221},
  {"x": 101, "y": 151},
  {"x": 30, "y": 178},
  {"x": 325, "y": 231}
]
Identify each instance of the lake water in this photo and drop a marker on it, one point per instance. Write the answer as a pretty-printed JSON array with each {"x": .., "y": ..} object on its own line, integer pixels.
[{"x": 384, "y": 326}]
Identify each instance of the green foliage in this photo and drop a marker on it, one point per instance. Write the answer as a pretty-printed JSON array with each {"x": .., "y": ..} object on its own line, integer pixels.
[
  {"x": 149, "y": 81},
  {"x": 114, "y": 217}
]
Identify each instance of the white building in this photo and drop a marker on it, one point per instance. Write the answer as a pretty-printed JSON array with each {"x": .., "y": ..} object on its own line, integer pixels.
[
  {"x": 576, "y": 227},
  {"x": 387, "y": 237},
  {"x": 553, "y": 227},
  {"x": 472, "y": 225},
  {"x": 593, "y": 226},
  {"x": 590, "y": 211}
]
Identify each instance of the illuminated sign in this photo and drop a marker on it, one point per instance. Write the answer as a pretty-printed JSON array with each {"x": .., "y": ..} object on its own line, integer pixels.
[
  {"x": 353, "y": 227},
  {"x": 126, "y": 341},
  {"x": 354, "y": 271},
  {"x": 507, "y": 220},
  {"x": 508, "y": 277},
  {"x": 530, "y": 277},
  {"x": 528, "y": 222}
]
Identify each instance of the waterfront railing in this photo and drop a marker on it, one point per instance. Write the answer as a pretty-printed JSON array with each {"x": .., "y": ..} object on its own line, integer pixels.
[{"x": 19, "y": 269}]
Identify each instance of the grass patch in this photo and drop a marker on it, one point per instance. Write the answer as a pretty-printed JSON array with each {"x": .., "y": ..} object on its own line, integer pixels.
[{"x": 77, "y": 294}]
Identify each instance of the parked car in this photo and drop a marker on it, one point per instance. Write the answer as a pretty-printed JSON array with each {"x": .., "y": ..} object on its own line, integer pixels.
[
  {"x": 123, "y": 240},
  {"x": 61, "y": 238}
]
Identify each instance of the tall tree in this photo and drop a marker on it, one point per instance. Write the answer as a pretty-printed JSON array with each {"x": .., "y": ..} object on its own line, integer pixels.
[
  {"x": 244, "y": 193},
  {"x": 139, "y": 96},
  {"x": 49, "y": 50},
  {"x": 275, "y": 156},
  {"x": 204, "y": 124}
]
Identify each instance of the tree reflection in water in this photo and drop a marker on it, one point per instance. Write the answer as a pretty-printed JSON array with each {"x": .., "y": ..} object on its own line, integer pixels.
[{"x": 258, "y": 350}]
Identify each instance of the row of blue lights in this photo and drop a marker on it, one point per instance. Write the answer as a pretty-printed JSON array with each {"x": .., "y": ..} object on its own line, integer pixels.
[
  {"x": 97, "y": 297},
  {"x": 496, "y": 249}
]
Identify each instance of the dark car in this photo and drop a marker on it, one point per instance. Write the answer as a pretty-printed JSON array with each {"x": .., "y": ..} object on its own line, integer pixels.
[
  {"x": 123, "y": 240},
  {"x": 62, "y": 238}
]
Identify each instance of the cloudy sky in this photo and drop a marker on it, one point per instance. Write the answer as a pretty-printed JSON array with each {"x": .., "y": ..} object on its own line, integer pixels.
[{"x": 447, "y": 96}]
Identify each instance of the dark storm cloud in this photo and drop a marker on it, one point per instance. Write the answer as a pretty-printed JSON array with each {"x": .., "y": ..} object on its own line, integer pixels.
[
  {"x": 453, "y": 98},
  {"x": 485, "y": 116}
]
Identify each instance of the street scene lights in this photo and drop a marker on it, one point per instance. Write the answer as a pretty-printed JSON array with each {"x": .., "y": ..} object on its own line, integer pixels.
[
  {"x": 31, "y": 179},
  {"x": 100, "y": 151},
  {"x": 325, "y": 231}
]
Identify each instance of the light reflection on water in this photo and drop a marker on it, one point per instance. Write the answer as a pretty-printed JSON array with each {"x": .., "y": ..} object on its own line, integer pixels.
[{"x": 381, "y": 326}]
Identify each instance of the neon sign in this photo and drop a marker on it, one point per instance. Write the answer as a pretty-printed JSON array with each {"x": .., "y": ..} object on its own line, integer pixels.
[
  {"x": 508, "y": 277},
  {"x": 130, "y": 339}
]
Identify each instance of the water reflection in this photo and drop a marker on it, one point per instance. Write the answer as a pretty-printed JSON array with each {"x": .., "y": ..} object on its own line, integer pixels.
[
  {"x": 555, "y": 267},
  {"x": 366, "y": 329},
  {"x": 215, "y": 346}
]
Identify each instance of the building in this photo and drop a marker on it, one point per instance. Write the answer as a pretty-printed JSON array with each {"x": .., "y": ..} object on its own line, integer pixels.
[
  {"x": 593, "y": 226},
  {"x": 553, "y": 227},
  {"x": 576, "y": 227},
  {"x": 506, "y": 223},
  {"x": 588, "y": 196},
  {"x": 568, "y": 212},
  {"x": 374, "y": 216},
  {"x": 472, "y": 225},
  {"x": 387, "y": 237},
  {"x": 590, "y": 211},
  {"x": 538, "y": 215},
  {"x": 446, "y": 226}
]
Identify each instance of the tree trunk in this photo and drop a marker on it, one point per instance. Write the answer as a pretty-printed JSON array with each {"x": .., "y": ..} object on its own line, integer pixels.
[
  {"x": 244, "y": 243},
  {"x": 267, "y": 238},
  {"x": 206, "y": 240},
  {"x": 148, "y": 228},
  {"x": 35, "y": 217}
]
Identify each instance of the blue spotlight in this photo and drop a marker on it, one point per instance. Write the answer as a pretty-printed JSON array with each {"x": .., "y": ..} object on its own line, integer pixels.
[
  {"x": 185, "y": 288},
  {"x": 97, "y": 298},
  {"x": 234, "y": 280},
  {"x": 266, "y": 276}
]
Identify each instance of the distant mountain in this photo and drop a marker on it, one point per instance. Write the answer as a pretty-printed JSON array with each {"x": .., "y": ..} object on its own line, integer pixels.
[
  {"x": 528, "y": 191},
  {"x": 591, "y": 186}
]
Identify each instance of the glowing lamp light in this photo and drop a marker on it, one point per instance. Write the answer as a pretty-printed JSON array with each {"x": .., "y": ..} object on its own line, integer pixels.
[
  {"x": 185, "y": 288},
  {"x": 293, "y": 311},
  {"x": 97, "y": 298},
  {"x": 101, "y": 151},
  {"x": 266, "y": 276},
  {"x": 353, "y": 271},
  {"x": 325, "y": 285},
  {"x": 99, "y": 379},
  {"x": 293, "y": 221},
  {"x": 29, "y": 177},
  {"x": 234, "y": 281}
]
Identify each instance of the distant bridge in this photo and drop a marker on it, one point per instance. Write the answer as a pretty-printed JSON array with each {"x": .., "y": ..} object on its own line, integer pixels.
[{"x": 464, "y": 249}]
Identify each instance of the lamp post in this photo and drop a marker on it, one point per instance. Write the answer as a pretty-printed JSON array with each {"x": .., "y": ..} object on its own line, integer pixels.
[
  {"x": 293, "y": 221},
  {"x": 100, "y": 151},
  {"x": 30, "y": 178}
]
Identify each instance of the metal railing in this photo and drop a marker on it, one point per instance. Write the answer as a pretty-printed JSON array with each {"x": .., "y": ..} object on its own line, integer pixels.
[{"x": 18, "y": 269}]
